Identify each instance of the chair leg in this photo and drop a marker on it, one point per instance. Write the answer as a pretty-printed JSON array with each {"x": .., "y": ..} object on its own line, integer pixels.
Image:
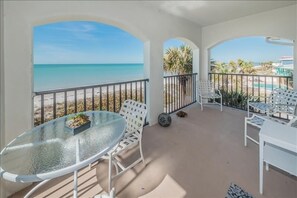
[
  {"x": 221, "y": 104},
  {"x": 201, "y": 105},
  {"x": 109, "y": 172},
  {"x": 245, "y": 132},
  {"x": 141, "y": 153},
  {"x": 266, "y": 166},
  {"x": 248, "y": 109}
]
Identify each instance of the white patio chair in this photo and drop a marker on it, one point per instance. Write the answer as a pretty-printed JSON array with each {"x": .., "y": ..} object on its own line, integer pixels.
[
  {"x": 134, "y": 114},
  {"x": 279, "y": 101},
  {"x": 258, "y": 121},
  {"x": 205, "y": 90}
]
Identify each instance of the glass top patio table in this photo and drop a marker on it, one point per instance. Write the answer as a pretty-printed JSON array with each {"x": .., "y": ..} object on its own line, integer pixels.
[{"x": 51, "y": 150}]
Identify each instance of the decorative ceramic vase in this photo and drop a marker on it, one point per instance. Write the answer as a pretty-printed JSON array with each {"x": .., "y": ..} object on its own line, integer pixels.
[{"x": 164, "y": 119}]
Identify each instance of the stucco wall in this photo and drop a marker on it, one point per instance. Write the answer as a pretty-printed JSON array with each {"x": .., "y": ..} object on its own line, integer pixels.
[
  {"x": 152, "y": 27},
  {"x": 279, "y": 22},
  {"x": 295, "y": 54},
  {"x": 1, "y": 89}
]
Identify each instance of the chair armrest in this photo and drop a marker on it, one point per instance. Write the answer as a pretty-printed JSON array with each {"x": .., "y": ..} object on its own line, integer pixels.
[
  {"x": 219, "y": 92},
  {"x": 293, "y": 120},
  {"x": 253, "y": 98}
]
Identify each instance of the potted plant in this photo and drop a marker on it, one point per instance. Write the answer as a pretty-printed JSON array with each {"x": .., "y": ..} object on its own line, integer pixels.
[{"x": 78, "y": 123}]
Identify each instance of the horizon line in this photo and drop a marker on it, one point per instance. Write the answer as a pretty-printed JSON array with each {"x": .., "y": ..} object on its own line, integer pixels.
[{"x": 80, "y": 63}]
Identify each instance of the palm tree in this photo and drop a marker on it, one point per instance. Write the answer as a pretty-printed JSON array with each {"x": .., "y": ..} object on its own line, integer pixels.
[
  {"x": 221, "y": 68},
  {"x": 266, "y": 68},
  {"x": 246, "y": 67},
  {"x": 178, "y": 60},
  {"x": 240, "y": 66},
  {"x": 233, "y": 67}
]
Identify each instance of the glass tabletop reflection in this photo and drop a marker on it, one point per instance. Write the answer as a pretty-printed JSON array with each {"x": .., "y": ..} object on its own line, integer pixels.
[{"x": 51, "y": 149}]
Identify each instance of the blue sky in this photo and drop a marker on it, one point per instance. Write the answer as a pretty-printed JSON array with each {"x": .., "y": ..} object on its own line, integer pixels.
[
  {"x": 172, "y": 43},
  {"x": 92, "y": 42},
  {"x": 254, "y": 49},
  {"x": 85, "y": 42}
]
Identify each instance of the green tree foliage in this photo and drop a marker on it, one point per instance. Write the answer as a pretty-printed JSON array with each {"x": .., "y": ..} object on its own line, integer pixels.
[
  {"x": 221, "y": 68},
  {"x": 246, "y": 67},
  {"x": 178, "y": 60},
  {"x": 241, "y": 66},
  {"x": 266, "y": 68}
]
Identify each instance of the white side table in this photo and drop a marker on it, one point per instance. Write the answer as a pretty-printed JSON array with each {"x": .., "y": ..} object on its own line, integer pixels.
[{"x": 277, "y": 147}]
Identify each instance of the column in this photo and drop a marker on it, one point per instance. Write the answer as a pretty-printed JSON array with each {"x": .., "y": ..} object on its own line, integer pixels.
[
  {"x": 196, "y": 61},
  {"x": 153, "y": 68},
  {"x": 2, "y": 137},
  {"x": 204, "y": 64}
]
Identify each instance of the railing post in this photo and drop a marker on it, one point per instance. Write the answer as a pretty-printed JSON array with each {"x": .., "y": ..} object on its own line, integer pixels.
[
  {"x": 51, "y": 98},
  {"x": 180, "y": 91},
  {"x": 261, "y": 85}
]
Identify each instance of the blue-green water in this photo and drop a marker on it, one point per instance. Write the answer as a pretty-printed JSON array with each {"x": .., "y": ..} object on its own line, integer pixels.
[
  {"x": 269, "y": 86},
  {"x": 49, "y": 77}
]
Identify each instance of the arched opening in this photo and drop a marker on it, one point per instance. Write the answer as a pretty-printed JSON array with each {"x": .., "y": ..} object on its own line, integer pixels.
[
  {"x": 70, "y": 50},
  {"x": 180, "y": 64},
  {"x": 248, "y": 67},
  {"x": 266, "y": 56},
  {"x": 85, "y": 65}
]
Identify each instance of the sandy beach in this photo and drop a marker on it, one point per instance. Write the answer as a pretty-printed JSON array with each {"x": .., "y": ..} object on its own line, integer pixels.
[{"x": 111, "y": 95}]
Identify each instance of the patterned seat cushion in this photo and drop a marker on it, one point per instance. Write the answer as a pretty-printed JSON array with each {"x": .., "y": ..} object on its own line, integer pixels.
[
  {"x": 261, "y": 106},
  {"x": 210, "y": 95}
]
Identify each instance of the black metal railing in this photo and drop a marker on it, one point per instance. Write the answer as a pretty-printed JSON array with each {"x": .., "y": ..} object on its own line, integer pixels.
[
  {"x": 51, "y": 104},
  {"x": 179, "y": 91},
  {"x": 236, "y": 89}
]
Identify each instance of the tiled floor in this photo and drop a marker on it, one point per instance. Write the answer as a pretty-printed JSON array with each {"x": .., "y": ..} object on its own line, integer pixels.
[{"x": 203, "y": 153}]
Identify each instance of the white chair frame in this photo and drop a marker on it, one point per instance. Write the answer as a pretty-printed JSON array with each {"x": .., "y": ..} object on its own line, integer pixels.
[
  {"x": 258, "y": 121},
  {"x": 134, "y": 114},
  {"x": 205, "y": 90}
]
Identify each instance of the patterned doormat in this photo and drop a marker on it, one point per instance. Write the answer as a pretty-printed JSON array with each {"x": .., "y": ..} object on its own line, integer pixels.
[{"x": 236, "y": 191}]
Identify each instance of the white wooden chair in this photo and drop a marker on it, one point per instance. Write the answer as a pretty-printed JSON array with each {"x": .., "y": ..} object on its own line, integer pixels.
[
  {"x": 134, "y": 114},
  {"x": 205, "y": 90}
]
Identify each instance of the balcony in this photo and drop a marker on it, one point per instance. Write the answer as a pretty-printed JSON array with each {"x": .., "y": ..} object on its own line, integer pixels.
[{"x": 203, "y": 153}]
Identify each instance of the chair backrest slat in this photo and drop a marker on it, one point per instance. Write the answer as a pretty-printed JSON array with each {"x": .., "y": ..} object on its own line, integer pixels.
[
  {"x": 282, "y": 98},
  {"x": 134, "y": 113},
  {"x": 205, "y": 87}
]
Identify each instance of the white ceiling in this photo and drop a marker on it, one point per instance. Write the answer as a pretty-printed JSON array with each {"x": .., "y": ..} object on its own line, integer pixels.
[{"x": 210, "y": 12}]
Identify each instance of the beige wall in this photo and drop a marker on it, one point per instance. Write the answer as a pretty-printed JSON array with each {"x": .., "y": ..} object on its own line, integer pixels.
[
  {"x": 279, "y": 22},
  {"x": 2, "y": 137},
  {"x": 21, "y": 16}
]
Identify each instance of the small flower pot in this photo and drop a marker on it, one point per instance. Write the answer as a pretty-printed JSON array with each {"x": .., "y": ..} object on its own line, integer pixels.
[{"x": 78, "y": 129}]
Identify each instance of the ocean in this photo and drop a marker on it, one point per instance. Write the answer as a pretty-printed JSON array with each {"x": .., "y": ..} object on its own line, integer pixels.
[{"x": 58, "y": 76}]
